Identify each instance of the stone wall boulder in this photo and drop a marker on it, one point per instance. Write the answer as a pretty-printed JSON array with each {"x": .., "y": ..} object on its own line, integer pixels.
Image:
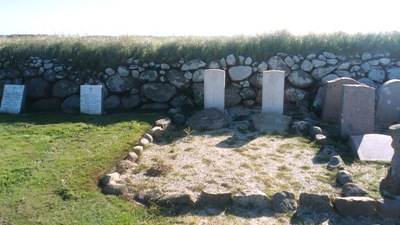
[
  {"x": 46, "y": 104},
  {"x": 71, "y": 104},
  {"x": 232, "y": 98},
  {"x": 130, "y": 101},
  {"x": 112, "y": 102},
  {"x": 64, "y": 88},
  {"x": 193, "y": 65},
  {"x": 276, "y": 63},
  {"x": 159, "y": 92},
  {"x": 119, "y": 84},
  {"x": 300, "y": 79},
  {"x": 37, "y": 88},
  {"x": 239, "y": 73},
  {"x": 177, "y": 78}
]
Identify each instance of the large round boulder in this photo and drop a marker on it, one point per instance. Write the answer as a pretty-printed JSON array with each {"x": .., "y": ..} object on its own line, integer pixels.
[
  {"x": 118, "y": 83},
  {"x": 207, "y": 119},
  {"x": 159, "y": 92},
  {"x": 64, "y": 88}
]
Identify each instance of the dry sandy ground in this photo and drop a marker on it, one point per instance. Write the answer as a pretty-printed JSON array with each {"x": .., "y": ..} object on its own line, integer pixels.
[{"x": 229, "y": 160}]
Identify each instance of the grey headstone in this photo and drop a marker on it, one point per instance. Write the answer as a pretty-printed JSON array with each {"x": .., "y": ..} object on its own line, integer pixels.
[
  {"x": 358, "y": 110},
  {"x": 333, "y": 98},
  {"x": 91, "y": 99},
  {"x": 214, "y": 89},
  {"x": 372, "y": 147},
  {"x": 13, "y": 99},
  {"x": 388, "y": 104}
]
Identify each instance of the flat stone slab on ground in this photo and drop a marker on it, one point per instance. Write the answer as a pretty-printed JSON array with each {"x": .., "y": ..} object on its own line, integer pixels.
[
  {"x": 271, "y": 123},
  {"x": 372, "y": 147}
]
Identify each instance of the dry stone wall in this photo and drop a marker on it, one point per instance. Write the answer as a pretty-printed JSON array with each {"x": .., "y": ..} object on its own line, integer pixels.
[{"x": 54, "y": 85}]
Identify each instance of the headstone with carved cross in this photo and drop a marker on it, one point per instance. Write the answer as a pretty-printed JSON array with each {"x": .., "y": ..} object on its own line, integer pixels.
[
  {"x": 273, "y": 92},
  {"x": 91, "y": 99}
]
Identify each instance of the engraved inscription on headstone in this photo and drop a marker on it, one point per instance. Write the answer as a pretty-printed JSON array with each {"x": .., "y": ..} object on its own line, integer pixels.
[
  {"x": 273, "y": 91},
  {"x": 214, "y": 89},
  {"x": 13, "y": 99},
  {"x": 358, "y": 110},
  {"x": 91, "y": 99}
]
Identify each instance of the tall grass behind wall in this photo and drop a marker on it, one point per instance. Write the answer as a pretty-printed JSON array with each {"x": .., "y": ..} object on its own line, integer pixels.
[{"x": 98, "y": 52}]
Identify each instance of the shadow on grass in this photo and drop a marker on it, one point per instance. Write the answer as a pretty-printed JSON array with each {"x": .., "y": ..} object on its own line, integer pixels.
[{"x": 44, "y": 118}]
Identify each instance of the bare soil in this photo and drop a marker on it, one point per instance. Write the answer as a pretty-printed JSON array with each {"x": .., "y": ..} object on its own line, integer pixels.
[{"x": 230, "y": 160}]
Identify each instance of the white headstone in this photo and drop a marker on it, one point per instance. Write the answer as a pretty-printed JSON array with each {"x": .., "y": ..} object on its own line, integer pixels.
[
  {"x": 273, "y": 91},
  {"x": 91, "y": 99},
  {"x": 13, "y": 98},
  {"x": 214, "y": 89}
]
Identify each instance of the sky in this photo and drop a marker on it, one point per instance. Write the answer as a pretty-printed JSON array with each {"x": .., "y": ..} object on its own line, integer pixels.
[{"x": 197, "y": 18}]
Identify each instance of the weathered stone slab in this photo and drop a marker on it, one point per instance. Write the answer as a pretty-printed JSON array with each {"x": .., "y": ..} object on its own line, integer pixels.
[
  {"x": 388, "y": 104},
  {"x": 356, "y": 206},
  {"x": 372, "y": 147},
  {"x": 319, "y": 203},
  {"x": 333, "y": 98},
  {"x": 273, "y": 92},
  {"x": 91, "y": 99},
  {"x": 271, "y": 123},
  {"x": 207, "y": 119},
  {"x": 238, "y": 73},
  {"x": 214, "y": 89},
  {"x": 13, "y": 99},
  {"x": 358, "y": 110}
]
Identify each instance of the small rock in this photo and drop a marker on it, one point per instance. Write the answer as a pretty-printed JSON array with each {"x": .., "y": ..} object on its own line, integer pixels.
[
  {"x": 366, "y": 56},
  {"x": 177, "y": 199},
  {"x": 163, "y": 123},
  {"x": 215, "y": 198},
  {"x": 307, "y": 66},
  {"x": 231, "y": 60},
  {"x": 110, "y": 177},
  {"x": 335, "y": 162},
  {"x": 356, "y": 206},
  {"x": 138, "y": 150},
  {"x": 143, "y": 142},
  {"x": 283, "y": 202},
  {"x": 123, "y": 71},
  {"x": 157, "y": 132},
  {"x": 352, "y": 189},
  {"x": 251, "y": 199},
  {"x": 321, "y": 139},
  {"x": 193, "y": 65},
  {"x": 343, "y": 177},
  {"x": 179, "y": 119},
  {"x": 132, "y": 156},
  {"x": 319, "y": 203},
  {"x": 151, "y": 195},
  {"x": 113, "y": 188},
  {"x": 149, "y": 137},
  {"x": 314, "y": 130},
  {"x": 301, "y": 127},
  {"x": 124, "y": 165},
  {"x": 329, "y": 55},
  {"x": 110, "y": 71}
]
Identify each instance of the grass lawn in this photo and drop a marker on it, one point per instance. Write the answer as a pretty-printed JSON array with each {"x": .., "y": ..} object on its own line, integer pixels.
[{"x": 50, "y": 165}]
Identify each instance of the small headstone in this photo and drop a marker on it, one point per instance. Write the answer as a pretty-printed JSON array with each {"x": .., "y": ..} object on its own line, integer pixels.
[
  {"x": 372, "y": 147},
  {"x": 358, "y": 110},
  {"x": 91, "y": 99},
  {"x": 13, "y": 99},
  {"x": 388, "y": 103},
  {"x": 214, "y": 89},
  {"x": 273, "y": 91},
  {"x": 333, "y": 98}
]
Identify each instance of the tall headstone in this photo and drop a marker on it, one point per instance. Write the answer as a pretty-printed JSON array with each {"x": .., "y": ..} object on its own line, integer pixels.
[
  {"x": 273, "y": 92},
  {"x": 214, "y": 89},
  {"x": 91, "y": 99},
  {"x": 333, "y": 98},
  {"x": 13, "y": 99},
  {"x": 358, "y": 110},
  {"x": 388, "y": 104}
]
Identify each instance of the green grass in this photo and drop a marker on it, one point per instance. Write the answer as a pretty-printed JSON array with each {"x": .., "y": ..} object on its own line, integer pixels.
[
  {"x": 97, "y": 53},
  {"x": 50, "y": 166}
]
